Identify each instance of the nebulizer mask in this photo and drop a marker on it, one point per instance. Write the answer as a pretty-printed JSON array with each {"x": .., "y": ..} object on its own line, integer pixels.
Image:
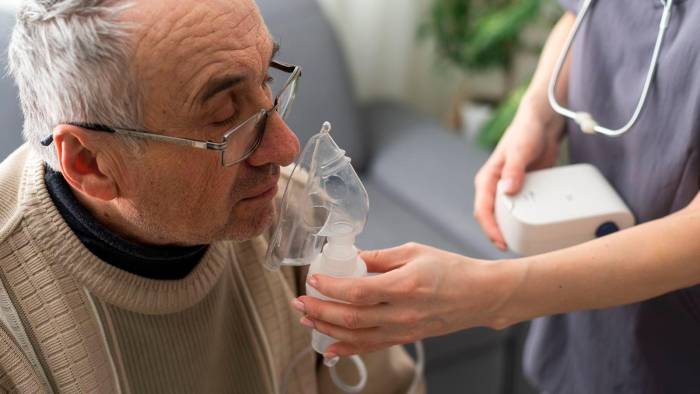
[
  {"x": 324, "y": 201},
  {"x": 324, "y": 208}
]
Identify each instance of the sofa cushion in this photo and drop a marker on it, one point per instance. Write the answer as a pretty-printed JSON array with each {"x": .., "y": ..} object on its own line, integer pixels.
[
  {"x": 388, "y": 121},
  {"x": 325, "y": 90},
  {"x": 431, "y": 172},
  {"x": 391, "y": 224}
]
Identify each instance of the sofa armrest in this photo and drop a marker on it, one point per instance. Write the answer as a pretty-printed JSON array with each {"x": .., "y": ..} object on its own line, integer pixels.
[{"x": 11, "y": 118}]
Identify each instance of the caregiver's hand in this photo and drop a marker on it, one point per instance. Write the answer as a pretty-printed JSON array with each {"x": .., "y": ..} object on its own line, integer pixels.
[
  {"x": 423, "y": 292},
  {"x": 532, "y": 140},
  {"x": 529, "y": 143}
]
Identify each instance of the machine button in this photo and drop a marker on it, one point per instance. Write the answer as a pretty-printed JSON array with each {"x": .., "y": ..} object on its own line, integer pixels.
[{"x": 606, "y": 228}]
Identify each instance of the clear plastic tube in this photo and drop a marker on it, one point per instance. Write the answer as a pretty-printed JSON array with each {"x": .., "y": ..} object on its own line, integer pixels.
[
  {"x": 284, "y": 387},
  {"x": 418, "y": 376}
]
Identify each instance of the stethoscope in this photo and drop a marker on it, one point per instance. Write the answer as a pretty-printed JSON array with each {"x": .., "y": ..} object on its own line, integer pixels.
[{"x": 584, "y": 119}]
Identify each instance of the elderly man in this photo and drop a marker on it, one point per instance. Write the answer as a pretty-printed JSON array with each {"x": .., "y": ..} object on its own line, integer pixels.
[{"x": 131, "y": 220}]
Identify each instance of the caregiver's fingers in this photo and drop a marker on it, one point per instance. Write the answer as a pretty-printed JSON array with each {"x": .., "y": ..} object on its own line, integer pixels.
[
  {"x": 359, "y": 291},
  {"x": 484, "y": 199},
  {"x": 395, "y": 284},
  {"x": 362, "y": 340},
  {"x": 346, "y": 315},
  {"x": 385, "y": 260}
]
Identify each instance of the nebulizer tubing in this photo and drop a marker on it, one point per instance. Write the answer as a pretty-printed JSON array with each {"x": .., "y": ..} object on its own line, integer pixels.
[
  {"x": 584, "y": 119},
  {"x": 325, "y": 206},
  {"x": 361, "y": 370}
]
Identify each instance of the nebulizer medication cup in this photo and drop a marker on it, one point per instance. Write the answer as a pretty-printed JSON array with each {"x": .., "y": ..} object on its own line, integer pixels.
[
  {"x": 324, "y": 208},
  {"x": 340, "y": 259}
]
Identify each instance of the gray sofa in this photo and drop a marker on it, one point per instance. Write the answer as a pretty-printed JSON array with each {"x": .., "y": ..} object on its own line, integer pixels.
[
  {"x": 10, "y": 113},
  {"x": 418, "y": 175}
]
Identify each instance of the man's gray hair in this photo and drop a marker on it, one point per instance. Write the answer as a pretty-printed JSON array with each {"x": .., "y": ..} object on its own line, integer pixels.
[{"x": 71, "y": 60}]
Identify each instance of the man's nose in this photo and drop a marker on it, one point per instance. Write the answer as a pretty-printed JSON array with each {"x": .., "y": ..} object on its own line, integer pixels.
[{"x": 279, "y": 145}]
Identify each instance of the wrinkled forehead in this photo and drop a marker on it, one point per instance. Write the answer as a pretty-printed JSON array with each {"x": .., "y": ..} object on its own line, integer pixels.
[{"x": 181, "y": 44}]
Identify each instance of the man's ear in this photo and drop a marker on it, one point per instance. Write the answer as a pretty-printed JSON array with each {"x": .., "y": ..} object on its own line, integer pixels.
[{"x": 79, "y": 162}]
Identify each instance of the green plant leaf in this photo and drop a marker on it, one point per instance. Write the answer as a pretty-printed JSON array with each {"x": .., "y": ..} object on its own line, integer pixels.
[
  {"x": 491, "y": 133},
  {"x": 478, "y": 35}
]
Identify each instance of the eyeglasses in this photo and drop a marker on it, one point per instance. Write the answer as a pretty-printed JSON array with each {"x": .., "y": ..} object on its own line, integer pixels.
[{"x": 248, "y": 134}]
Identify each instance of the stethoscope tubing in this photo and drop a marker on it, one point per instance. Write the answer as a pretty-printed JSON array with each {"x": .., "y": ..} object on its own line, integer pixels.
[{"x": 585, "y": 120}]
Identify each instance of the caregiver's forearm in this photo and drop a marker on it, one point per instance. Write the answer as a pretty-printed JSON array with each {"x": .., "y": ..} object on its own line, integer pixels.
[{"x": 633, "y": 265}]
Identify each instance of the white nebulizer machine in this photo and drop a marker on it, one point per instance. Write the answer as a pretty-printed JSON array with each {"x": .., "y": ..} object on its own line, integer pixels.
[
  {"x": 324, "y": 208},
  {"x": 560, "y": 207},
  {"x": 564, "y": 206}
]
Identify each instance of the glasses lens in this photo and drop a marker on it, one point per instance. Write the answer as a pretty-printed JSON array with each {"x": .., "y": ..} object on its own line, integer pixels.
[
  {"x": 284, "y": 89},
  {"x": 286, "y": 99},
  {"x": 244, "y": 140}
]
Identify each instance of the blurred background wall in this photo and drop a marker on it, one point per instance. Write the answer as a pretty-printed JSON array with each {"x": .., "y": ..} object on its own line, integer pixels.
[
  {"x": 379, "y": 38},
  {"x": 9, "y": 4}
]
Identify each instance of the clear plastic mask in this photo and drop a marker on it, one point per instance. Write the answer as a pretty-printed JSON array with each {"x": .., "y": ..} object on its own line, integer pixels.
[{"x": 324, "y": 197}]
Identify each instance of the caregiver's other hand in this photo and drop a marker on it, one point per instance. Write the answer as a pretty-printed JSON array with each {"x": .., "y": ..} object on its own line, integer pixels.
[
  {"x": 532, "y": 140},
  {"x": 529, "y": 143},
  {"x": 422, "y": 292}
]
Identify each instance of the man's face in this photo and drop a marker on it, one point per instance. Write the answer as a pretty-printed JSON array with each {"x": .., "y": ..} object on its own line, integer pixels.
[{"x": 184, "y": 49}]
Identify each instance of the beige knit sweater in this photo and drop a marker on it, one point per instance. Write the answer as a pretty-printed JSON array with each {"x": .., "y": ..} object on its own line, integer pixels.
[{"x": 76, "y": 324}]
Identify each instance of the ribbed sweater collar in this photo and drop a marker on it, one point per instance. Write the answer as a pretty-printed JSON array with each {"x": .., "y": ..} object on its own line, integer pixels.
[{"x": 55, "y": 240}]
